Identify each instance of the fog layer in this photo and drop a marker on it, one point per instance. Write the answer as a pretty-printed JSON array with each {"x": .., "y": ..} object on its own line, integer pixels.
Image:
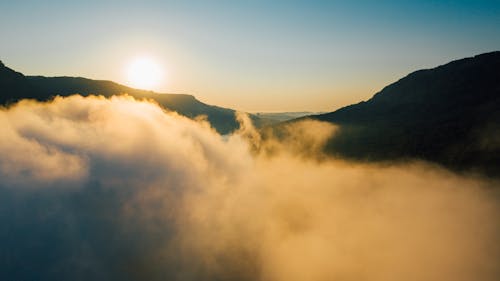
[{"x": 118, "y": 189}]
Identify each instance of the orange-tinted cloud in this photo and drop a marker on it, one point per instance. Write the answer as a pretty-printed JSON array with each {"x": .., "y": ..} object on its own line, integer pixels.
[{"x": 96, "y": 188}]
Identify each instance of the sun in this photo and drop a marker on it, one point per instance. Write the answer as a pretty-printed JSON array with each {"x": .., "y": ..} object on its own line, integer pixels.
[{"x": 145, "y": 73}]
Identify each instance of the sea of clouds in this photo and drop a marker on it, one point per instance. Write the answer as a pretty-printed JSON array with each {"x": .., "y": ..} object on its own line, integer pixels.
[{"x": 119, "y": 189}]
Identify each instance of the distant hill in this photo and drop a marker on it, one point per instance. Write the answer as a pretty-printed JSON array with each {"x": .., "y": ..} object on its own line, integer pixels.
[
  {"x": 449, "y": 114},
  {"x": 270, "y": 118},
  {"x": 15, "y": 86}
]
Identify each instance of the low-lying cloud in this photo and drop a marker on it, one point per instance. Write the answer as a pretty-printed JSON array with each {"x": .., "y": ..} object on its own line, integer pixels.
[{"x": 118, "y": 189}]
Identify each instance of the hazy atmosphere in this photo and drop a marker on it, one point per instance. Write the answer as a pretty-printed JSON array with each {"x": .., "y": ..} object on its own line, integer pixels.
[{"x": 250, "y": 140}]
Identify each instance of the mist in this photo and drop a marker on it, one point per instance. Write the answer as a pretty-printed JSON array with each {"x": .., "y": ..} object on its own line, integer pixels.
[{"x": 120, "y": 189}]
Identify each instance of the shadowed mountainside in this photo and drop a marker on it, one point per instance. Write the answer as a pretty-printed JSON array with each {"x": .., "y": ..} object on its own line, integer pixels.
[
  {"x": 14, "y": 86},
  {"x": 449, "y": 114},
  {"x": 277, "y": 117}
]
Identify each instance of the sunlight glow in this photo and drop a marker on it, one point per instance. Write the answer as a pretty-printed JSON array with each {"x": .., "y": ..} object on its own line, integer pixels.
[{"x": 145, "y": 73}]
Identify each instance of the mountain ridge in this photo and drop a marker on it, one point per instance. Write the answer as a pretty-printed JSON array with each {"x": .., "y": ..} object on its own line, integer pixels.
[
  {"x": 441, "y": 114},
  {"x": 15, "y": 86}
]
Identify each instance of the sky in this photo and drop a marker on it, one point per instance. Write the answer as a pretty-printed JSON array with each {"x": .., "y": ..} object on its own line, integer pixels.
[{"x": 249, "y": 55}]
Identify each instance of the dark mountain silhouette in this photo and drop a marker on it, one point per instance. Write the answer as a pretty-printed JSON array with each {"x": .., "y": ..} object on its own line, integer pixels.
[
  {"x": 15, "y": 86},
  {"x": 271, "y": 118},
  {"x": 449, "y": 114}
]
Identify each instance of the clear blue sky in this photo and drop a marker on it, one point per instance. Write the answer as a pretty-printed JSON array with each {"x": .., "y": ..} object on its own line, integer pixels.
[{"x": 249, "y": 55}]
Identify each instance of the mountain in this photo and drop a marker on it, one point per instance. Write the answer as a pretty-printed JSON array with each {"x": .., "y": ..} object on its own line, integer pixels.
[
  {"x": 15, "y": 86},
  {"x": 449, "y": 114},
  {"x": 277, "y": 117}
]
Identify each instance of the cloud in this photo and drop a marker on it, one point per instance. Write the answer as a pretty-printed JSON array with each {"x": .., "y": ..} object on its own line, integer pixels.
[{"x": 119, "y": 189}]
